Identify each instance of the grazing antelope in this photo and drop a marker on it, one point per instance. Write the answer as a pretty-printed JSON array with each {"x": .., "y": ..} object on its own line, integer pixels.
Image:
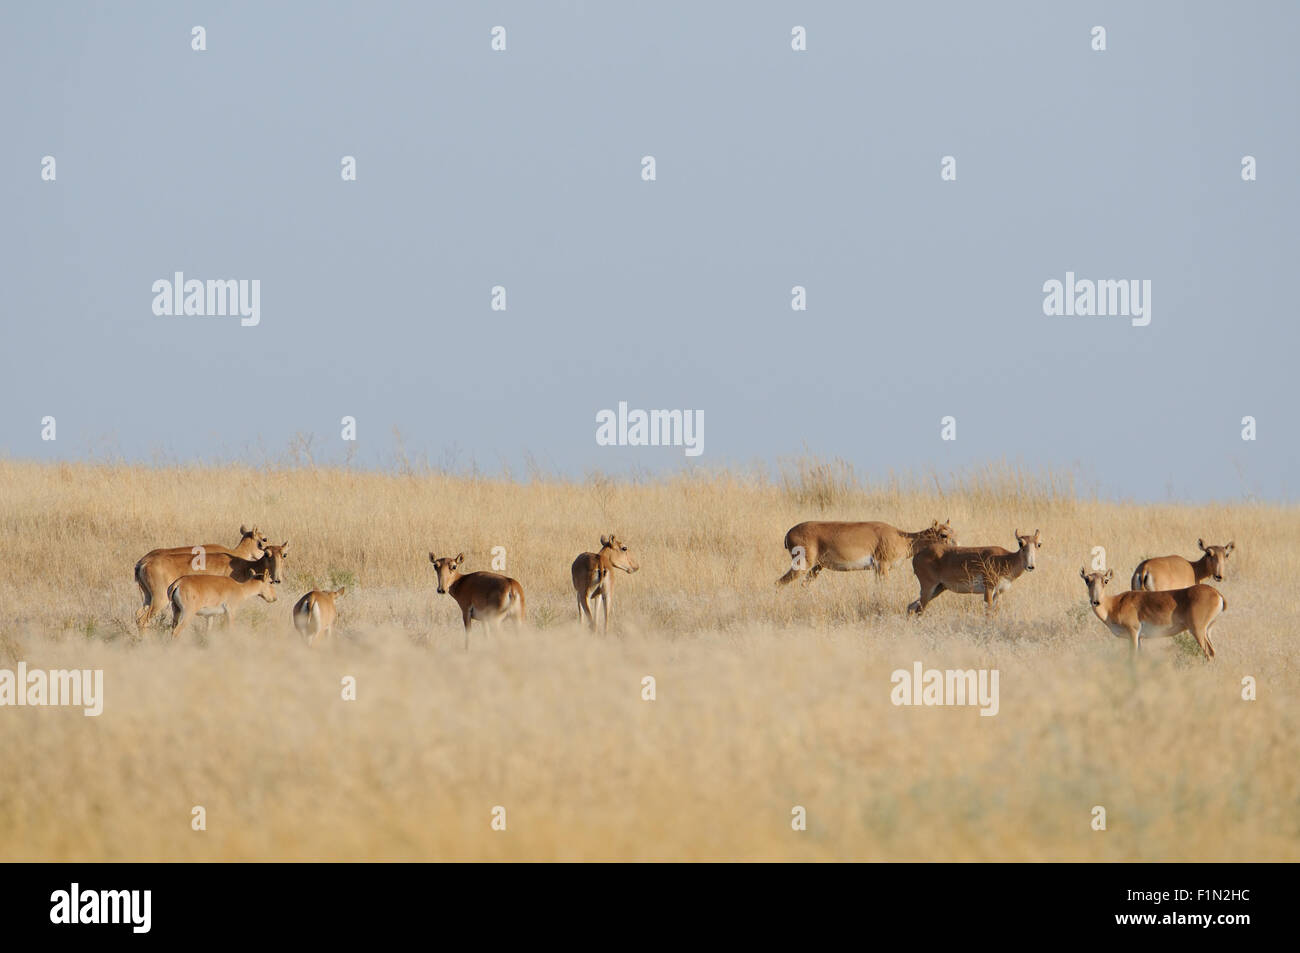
[
  {"x": 210, "y": 596},
  {"x": 987, "y": 569},
  {"x": 485, "y": 597},
  {"x": 157, "y": 571},
  {"x": 314, "y": 613},
  {"x": 1143, "y": 614},
  {"x": 815, "y": 546},
  {"x": 1175, "y": 572},
  {"x": 591, "y": 577}
]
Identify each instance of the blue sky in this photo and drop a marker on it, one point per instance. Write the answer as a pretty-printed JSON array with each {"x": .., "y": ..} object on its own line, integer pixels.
[{"x": 775, "y": 168}]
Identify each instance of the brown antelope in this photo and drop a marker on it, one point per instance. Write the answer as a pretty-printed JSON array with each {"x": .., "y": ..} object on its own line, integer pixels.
[
  {"x": 485, "y": 597},
  {"x": 987, "y": 569},
  {"x": 210, "y": 596},
  {"x": 157, "y": 571},
  {"x": 1175, "y": 572},
  {"x": 815, "y": 546},
  {"x": 591, "y": 577},
  {"x": 314, "y": 613},
  {"x": 1143, "y": 614}
]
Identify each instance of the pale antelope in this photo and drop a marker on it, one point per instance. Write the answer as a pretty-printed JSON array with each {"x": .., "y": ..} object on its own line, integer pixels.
[
  {"x": 971, "y": 569},
  {"x": 814, "y": 546},
  {"x": 250, "y": 545},
  {"x": 314, "y": 613},
  {"x": 1143, "y": 614},
  {"x": 485, "y": 597},
  {"x": 591, "y": 577},
  {"x": 209, "y": 596},
  {"x": 1175, "y": 572},
  {"x": 155, "y": 572}
]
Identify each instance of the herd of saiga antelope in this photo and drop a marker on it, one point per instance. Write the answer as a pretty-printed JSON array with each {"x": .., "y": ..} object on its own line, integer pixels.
[{"x": 1167, "y": 595}]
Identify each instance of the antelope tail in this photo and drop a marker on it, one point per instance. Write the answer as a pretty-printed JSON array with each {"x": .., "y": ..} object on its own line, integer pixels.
[
  {"x": 308, "y": 613},
  {"x": 140, "y": 581}
]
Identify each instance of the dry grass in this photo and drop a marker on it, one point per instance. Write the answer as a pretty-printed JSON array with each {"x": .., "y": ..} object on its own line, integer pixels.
[{"x": 766, "y": 698}]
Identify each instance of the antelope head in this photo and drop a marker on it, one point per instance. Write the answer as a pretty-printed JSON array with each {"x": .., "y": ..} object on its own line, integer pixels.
[
  {"x": 274, "y": 559},
  {"x": 1029, "y": 546},
  {"x": 265, "y": 590},
  {"x": 1096, "y": 582},
  {"x": 254, "y": 534},
  {"x": 1218, "y": 557},
  {"x": 942, "y": 532},
  {"x": 447, "y": 569},
  {"x": 619, "y": 557}
]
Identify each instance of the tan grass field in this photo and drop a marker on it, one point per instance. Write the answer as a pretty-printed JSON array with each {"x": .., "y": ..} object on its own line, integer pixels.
[{"x": 766, "y": 698}]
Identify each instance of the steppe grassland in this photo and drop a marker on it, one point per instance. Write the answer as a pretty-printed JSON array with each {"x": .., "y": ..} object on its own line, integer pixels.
[{"x": 766, "y": 698}]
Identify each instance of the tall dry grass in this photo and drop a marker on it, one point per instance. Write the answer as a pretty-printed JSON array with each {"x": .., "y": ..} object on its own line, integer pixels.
[{"x": 766, "y": 698}]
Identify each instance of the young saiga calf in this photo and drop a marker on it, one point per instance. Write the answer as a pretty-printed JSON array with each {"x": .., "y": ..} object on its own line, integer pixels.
[
  {"x": 314, "y": 614},
  {"x": 209, "y": 596}
]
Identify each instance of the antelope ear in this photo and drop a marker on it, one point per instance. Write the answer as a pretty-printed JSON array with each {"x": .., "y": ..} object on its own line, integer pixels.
[
  {"x": 1083, "y": 574},
  {"x": 340, "y": 590},
  {"x": 460, "y": 558},
  {"x": 1201, "y": 543},
  {"x": 604, "y": 541},
  {"x": 1230, "y": 547},
  {"x": 284, "y": 547},
  {"x": 1016, "y": 533},
  {"x": 244, "y": 530},
  {"x": 1110, "y": 574},
  {"x": 432, "y": 558}
]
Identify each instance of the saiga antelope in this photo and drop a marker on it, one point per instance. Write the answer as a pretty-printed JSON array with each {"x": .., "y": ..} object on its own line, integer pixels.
[
  {"x": 210, "y": 596},
  {"x": 1175, "y": 572},
  {"x": 250, "y": 545},
  {"x": 485, "y": 597},
  {"x": 814, "y": 546},
  {"x": 314, "y": 613},
  {"x": 591, "y": 577},
  {"x": 157, "y": 571},
  {"x": 987, "y": 569},
  {"x": 1142, "y": 614}
]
